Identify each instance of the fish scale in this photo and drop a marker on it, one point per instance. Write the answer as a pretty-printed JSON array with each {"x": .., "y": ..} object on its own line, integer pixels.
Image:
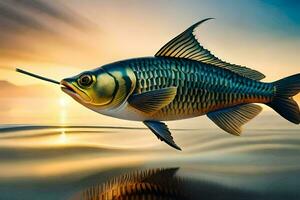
[{"x": 201, "y": 87}]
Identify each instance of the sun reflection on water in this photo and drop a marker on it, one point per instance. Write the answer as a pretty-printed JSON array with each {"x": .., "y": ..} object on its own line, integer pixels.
[{"x": 63, "y": 137}]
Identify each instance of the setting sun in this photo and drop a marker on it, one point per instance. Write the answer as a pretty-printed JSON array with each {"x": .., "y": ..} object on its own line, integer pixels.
[{"x": 63, "y": 102}]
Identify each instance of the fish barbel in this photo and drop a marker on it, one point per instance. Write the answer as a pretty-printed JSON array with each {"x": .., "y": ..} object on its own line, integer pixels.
[{"x": 182, "y": 80}]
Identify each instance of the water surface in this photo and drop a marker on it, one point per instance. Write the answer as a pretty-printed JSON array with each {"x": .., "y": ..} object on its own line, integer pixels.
[
  {"x": 54, "y": 162},
  {"x": 55, "y": 149}
]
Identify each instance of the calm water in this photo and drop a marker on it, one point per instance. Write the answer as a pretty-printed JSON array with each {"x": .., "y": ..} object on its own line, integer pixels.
[
  {"x": 50, "y": 162},
  {"x": 40, "y": 160}
]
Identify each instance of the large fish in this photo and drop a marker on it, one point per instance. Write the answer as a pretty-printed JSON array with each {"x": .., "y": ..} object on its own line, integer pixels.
[{"x": 182, "y": 80}]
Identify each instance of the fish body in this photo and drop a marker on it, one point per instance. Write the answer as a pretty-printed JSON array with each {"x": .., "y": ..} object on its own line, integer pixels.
[
  {"x": 182, "y": 80},
  {"x": 200, "y": 88}
]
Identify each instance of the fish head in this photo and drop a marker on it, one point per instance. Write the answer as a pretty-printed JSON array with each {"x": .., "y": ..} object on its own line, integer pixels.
[
  {"x": 90, "y": 87},
  {"x": 99, "y": 88}
]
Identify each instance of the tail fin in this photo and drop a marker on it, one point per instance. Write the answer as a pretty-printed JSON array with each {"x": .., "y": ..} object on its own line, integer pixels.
[{"x": 283, "y": 103}]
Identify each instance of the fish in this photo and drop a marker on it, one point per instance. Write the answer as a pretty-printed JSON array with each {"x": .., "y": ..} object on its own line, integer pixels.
[{"x": 183, "y": 80}]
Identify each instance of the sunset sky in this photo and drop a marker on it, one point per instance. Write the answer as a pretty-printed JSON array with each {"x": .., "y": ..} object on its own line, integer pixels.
[
  {"x": 52, "y": 147},
  {"x": 62, "y": 38}
]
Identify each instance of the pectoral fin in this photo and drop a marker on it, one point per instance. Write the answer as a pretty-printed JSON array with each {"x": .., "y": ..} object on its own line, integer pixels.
[
  {"x": 231, "y": 119},
  {"x": 152, "y": 101},
  {"x": 162, "y": 132}
]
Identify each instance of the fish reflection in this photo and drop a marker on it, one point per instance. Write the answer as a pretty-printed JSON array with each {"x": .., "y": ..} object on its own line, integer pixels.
[
  {"x": 163, "y": 184},
  {"x": 148, "y": 184}
]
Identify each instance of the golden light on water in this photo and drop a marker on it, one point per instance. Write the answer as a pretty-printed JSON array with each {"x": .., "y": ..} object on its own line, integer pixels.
[{"x": 63, "y": 137}]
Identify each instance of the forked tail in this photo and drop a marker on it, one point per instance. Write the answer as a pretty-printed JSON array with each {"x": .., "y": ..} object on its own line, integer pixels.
[{"x": 282, "y": 102}]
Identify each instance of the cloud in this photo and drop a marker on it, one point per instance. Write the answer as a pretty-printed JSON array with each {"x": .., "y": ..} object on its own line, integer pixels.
[
  {"x": 33, "y": 30},
  {"x": 26, "y": 13},
  {"x": 12, "y": 20}
]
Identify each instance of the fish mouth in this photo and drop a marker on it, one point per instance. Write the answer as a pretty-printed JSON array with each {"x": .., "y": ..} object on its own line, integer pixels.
[
  {"x": 71, "y": 90},
  {"x": 66, "y": 87}
]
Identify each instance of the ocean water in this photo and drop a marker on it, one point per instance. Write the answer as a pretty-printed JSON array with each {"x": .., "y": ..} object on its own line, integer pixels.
[{"x": 98, "y": 158}]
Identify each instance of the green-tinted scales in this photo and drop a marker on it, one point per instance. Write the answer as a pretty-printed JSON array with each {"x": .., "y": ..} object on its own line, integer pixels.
[{"x": 201, "y": 87}]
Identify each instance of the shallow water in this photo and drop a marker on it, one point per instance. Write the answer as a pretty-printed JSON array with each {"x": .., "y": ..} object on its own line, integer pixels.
[{"x": 55, "y": 162}]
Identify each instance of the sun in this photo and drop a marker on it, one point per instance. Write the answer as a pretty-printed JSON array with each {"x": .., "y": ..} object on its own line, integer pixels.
[{"x": 63, "y": 102}]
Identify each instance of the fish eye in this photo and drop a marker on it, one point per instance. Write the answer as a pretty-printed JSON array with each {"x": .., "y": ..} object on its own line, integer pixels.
[{"x": 85, "y": 80}]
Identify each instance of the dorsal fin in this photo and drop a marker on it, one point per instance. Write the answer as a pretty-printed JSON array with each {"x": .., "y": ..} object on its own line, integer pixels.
[{"x": 187, "y": 46}]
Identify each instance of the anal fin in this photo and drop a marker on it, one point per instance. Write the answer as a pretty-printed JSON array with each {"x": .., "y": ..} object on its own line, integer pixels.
[
  {"x": 162, "y": 132},
  {"x": 231, "y": 119}
]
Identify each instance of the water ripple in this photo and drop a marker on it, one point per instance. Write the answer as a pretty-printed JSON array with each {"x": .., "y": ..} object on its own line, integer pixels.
[{"x": 41, "y": 146}]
